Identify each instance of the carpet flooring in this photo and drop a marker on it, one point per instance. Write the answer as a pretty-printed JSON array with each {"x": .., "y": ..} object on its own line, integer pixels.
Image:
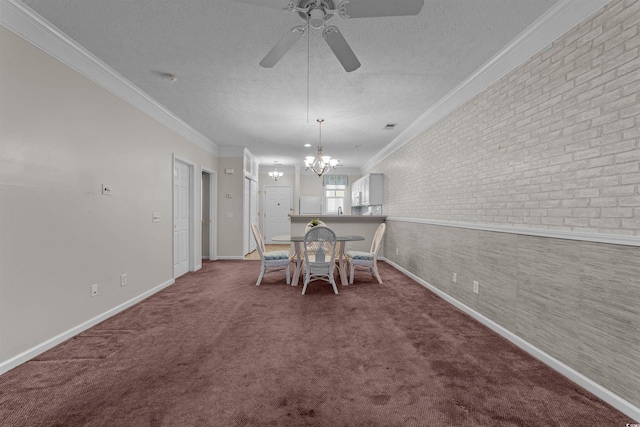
[{"x": 215, "y": 350}]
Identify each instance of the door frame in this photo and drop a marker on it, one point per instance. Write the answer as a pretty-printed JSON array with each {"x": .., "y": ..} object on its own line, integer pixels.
[
  {"x": 192, "y": 213},
  {"x": 213, "y": 227},
  {"x": 247, "y": 204}
]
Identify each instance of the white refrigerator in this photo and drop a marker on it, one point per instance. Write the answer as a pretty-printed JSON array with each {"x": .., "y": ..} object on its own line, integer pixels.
[{"x": 310, "y": 205}]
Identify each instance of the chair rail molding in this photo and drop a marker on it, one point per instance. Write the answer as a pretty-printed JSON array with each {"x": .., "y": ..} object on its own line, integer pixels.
[{"x": 540, "y": 232}]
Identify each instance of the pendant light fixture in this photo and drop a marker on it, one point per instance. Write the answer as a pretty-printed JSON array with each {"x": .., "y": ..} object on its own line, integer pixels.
[
  {"x": 321, "y": 163},
  {"x": 275, "y": 174}
]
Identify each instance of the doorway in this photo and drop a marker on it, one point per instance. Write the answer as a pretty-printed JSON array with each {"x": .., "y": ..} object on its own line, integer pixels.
[
  {"x": 209, "y": 220},
  {"x": 277, "y": 207},
  {"x": 183, "y": 218}
]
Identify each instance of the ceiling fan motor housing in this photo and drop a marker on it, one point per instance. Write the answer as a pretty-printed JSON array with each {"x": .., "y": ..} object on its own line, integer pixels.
[{"x": 316, "y": 15}]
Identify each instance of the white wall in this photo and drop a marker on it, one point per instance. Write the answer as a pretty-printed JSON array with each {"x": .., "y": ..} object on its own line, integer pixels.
[{"x": 62, "y": 137}]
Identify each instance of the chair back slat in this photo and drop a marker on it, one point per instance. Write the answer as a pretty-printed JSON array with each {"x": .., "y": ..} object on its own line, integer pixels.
[{"x": 259, "y": 240}]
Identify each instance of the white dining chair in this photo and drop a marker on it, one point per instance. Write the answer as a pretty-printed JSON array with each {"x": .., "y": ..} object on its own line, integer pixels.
[
  {"x": 271, "y": 261},
  {"x": 359, "y": 260},
  {"x": 319, "y": 254}
]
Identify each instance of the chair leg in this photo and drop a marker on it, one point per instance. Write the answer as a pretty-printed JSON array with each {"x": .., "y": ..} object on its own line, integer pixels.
[
  {"x": 260, "y": 277},
  {"x": 375, "y": 272},
  {"x": 306, "y": 282},
  {"x": 288, "y": 274},
  {"x": 351, "y": 273},
  {"x": 333, "y": 283}
]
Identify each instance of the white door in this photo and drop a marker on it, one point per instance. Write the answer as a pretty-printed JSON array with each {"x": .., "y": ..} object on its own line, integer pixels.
[
  {"x": 277, "y": 210},
  {"x": 181, "y": 242}
]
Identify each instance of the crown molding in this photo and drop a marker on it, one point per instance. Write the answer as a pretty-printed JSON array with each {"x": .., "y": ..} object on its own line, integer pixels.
[
  {"x": 23, "y": 21},
  {"x": 231, "y": 151},
  {"x": 558, "y": 20}
]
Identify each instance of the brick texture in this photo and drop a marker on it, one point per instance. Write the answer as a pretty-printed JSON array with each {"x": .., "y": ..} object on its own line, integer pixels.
[{"x": 555, "y": 144}]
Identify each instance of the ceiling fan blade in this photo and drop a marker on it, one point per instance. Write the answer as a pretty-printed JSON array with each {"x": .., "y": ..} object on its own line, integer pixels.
[
  {"x": 271, "y": 4},
  {"x": 380, "y": 8},
  {"x": 283, "y": 46},
  {"x": 341, "y": 48}
]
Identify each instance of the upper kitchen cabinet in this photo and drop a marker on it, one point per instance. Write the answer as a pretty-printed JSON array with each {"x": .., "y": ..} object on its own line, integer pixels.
[{"x": 367, "y": 191}]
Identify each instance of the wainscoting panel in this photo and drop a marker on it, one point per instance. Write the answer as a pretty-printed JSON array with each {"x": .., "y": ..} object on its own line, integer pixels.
[{"x": 577, "y": 301}]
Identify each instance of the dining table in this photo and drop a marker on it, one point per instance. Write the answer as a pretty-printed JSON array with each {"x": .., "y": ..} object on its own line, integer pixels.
[{"x": 297, "y": 242}]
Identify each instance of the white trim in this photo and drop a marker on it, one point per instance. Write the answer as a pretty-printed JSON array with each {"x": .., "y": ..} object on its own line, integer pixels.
[
  {"x": 591, "y": 386},
  {"x": 232, "y": 257},
  {"x": 562, "y": 17},
  {"x": 25, "y": 356},
  {"x": 20, "y": 19},
  {"x": 556, "y": 234}
]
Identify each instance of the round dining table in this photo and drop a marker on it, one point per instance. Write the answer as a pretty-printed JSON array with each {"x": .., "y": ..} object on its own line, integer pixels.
[{"x": 299, "y": 254}]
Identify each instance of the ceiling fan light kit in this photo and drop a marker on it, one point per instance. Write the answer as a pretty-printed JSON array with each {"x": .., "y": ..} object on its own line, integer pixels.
[{"x": 315, "y": 13}]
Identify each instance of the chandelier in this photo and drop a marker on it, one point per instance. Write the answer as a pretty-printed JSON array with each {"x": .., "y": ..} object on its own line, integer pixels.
[
  {"x": 275, "y": 174},
  {"x": 321, "y": 163}
]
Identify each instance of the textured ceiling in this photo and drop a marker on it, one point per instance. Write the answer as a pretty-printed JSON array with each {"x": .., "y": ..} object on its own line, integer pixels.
[{"x": 214, "y": 47}]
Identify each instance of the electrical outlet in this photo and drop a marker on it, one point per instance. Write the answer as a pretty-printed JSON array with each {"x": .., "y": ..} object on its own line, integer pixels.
[
  {"x": 123, "y": 279},
  {"x": 94, "y": 290},
  {"x": 476, "y": 286},
  {"x": 455, "y": 278},
  {"x": 106, "y": 189}
]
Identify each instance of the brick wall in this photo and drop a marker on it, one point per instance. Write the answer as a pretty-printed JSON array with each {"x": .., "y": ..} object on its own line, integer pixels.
[
  {"x": 555, "y": 144},
  {"x": 552, "y": 145}
]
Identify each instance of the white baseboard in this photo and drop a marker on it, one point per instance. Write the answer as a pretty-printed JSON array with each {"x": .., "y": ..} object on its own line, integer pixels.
[
  {"x": 229, "y": 257},
  {"x": 41, "y": 348},
  {"x": 612, "y": 399}
]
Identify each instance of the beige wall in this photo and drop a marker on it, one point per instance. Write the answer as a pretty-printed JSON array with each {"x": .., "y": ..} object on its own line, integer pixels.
[
  {"x": 553, "y": 145},
  {"x": 63, "y": 136}
]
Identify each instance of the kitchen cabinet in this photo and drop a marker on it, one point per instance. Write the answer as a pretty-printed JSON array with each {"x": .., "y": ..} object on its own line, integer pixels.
[{"x": 367, "y": 190}]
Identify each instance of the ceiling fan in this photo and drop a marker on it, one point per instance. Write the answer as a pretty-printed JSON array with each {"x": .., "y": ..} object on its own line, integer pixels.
[{"x": 316, "y": 13}]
